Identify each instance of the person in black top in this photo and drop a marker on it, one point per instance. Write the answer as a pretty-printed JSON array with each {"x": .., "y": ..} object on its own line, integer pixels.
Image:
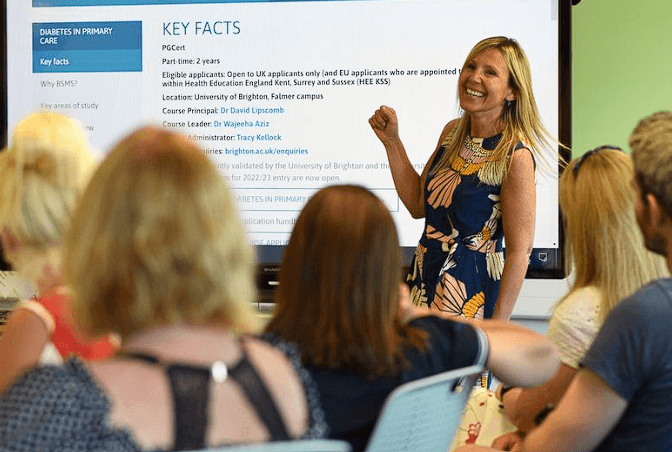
[
  {"x": 158, "y": 255},
  {"x": 342, "y": 302}
]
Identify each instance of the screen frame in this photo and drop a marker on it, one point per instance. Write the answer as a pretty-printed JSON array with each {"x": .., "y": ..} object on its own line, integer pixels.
[
  {"x": 268, "y": 257},
  {"x": 4, "y": 265}
]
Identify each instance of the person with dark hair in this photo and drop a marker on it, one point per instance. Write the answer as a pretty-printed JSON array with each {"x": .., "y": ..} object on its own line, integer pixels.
[
  {"x": 159, "y": 255},
  {"x": 477, "y": 189},
  {"x": 621, "y": 399},
  {"x": 342, "y": 302}
]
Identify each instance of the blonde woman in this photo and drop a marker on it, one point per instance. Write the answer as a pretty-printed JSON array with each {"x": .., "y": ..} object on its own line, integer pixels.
[
  {"x": 42, "y": 174},
  {"x": 605, "y": 249},
  {"x": 160, "y": 257},
  {"x": 476, "y": 189}
]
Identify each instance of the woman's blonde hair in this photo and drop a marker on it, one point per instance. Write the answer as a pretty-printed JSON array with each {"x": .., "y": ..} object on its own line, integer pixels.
[
  {"x": 603, "y": 241},
  {"x": 520, "y": 117},
  {"x": 158, "y": 241},
  {"x": 339, "y": 286},
  {"x": 42, "y": 173}
]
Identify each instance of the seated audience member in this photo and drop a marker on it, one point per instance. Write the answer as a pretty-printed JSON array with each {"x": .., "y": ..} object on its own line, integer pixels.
[
  {"x": 622, "y": 397},
  {"x": 597, "y": 202},
  {"x": 42, "y": 174},
  {"x": 158, "y": 254},
  {"x": 341, "y": 300}
]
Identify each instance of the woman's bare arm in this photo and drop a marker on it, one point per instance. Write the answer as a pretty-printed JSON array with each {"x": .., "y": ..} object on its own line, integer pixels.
[
  {"x": 23, "y": 339},
  {"x": 409, "y": 185},
  {"x": 516, "y": 355},
  {"x": 518, "y": 200}
]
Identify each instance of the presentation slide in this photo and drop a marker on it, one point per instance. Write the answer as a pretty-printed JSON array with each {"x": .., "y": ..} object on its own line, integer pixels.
[{"x": 277, "y": 93}]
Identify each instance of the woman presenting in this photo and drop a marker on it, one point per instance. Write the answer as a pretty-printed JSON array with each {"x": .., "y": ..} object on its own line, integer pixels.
[{"x": 477, "y": 188}]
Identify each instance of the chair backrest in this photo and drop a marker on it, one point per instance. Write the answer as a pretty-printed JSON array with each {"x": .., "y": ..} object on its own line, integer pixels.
[
  {"x": 423, "y": 415},
  {"x": 304, "y": 445}
]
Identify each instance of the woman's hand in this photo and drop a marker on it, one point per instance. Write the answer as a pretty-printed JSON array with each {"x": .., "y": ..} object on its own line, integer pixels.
[
  {"x": 507, "y": 441},
  {"x": 384, "y": 123},
  {"x": 407, "y": 182}
]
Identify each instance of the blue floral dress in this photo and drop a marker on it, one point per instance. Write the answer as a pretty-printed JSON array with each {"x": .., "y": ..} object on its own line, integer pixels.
[{"x": 458, "y": 263}]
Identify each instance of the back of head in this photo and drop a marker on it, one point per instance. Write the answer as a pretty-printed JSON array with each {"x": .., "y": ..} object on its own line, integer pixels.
[
  {"x": 651, "y": 144},
  {"x": 603, "y": 240},
  {"x": 339, "y": 284},
  {"x": 158, "y": 241},
  {"x": 42, "y": 173}
]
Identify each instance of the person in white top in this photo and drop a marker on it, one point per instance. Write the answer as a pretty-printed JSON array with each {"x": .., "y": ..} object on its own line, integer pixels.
[{"x": 606, "y": 252}]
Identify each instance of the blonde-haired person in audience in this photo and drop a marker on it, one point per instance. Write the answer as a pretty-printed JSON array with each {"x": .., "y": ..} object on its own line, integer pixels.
[
  {"x": 342, "y": 301},
  {"x": 620, "y": 399},
  {"x": 159, "y": 255},
  {"x": 42, "y": 175},
  {"x": 608, "y": 262}
]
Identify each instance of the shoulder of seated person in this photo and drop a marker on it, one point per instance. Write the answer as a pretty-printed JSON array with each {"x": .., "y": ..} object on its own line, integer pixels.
[
  {"x": 265, "y": 356},
  {"x": 586, "y": 291},
  {"x": 432, "y": 319},
  {"x": 583, "y": 296},
  {"x": 282, "y": 379}
]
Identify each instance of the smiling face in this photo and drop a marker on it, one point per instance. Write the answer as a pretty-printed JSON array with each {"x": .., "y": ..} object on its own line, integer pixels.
[{"x": 483, "y": 86}]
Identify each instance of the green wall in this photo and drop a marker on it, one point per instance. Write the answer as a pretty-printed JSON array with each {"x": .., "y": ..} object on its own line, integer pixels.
[{"x": 622, "y": 68}]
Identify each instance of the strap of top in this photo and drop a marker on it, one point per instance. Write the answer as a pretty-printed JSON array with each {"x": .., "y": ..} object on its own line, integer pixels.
[
  {"x": 190, "y": 388},
  {"x": 259, "y": 396}
]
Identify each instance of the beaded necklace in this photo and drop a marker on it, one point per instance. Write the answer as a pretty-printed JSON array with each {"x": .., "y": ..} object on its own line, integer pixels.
[
  {"x": 491, "y": 172},
  {"x": 475, "y": 146}
]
